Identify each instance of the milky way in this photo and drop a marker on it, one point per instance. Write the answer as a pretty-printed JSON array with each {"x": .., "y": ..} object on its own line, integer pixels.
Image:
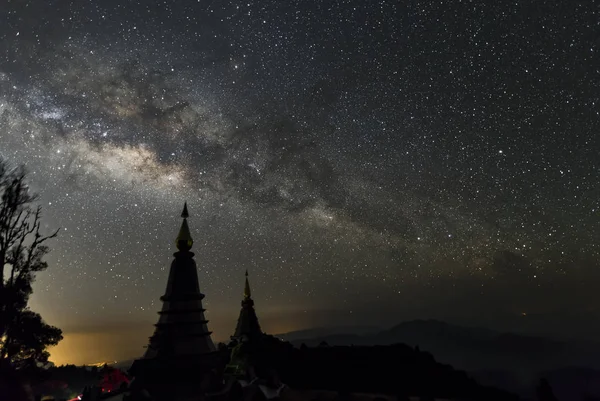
[{"x": 368, "y": 162}]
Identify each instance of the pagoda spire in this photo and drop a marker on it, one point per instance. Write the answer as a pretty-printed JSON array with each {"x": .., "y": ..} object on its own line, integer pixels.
[
  {"x": 184, "y": 239},
  {"x": 247, "y": 292},
  {"x": 247, "y": 324}
]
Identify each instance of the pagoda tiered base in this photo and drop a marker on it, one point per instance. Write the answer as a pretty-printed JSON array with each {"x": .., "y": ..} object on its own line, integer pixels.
[{"x": 175, "y": 378}]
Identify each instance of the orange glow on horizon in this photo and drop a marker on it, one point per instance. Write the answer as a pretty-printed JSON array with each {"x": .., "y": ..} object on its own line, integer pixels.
[{"x": 127, "y": 342}]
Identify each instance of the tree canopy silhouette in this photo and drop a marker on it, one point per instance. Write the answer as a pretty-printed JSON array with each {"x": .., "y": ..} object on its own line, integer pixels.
[
  {"x": 395, "y": 370},
  {"x": 24, "y": 336}
]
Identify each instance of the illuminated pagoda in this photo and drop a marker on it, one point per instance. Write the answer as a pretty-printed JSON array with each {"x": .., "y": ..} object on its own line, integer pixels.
[
  {"x": 247, "y": 324},
  {"x": 180, "y": 352}
]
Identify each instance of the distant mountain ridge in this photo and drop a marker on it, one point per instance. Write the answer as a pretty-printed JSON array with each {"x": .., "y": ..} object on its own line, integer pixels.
[
  {"x": 326, "y": 331},
  {"x": 469, "y": 348},
  {"x": 507, "y": 360}
]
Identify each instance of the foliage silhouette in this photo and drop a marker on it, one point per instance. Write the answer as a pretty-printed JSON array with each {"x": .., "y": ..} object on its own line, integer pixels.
[
  {"x": 396, "y": 370},
  {"x": 23, "y": 334}
]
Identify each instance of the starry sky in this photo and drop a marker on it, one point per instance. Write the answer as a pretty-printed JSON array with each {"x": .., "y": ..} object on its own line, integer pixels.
[{"x": 369, "y": 162}]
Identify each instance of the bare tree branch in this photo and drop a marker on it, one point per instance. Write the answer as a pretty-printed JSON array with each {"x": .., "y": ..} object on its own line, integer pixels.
[{"x": 22, "y": 249}]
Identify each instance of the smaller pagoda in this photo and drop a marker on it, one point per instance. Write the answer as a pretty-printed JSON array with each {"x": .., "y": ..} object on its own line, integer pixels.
[{"x": 247, "y": 324}]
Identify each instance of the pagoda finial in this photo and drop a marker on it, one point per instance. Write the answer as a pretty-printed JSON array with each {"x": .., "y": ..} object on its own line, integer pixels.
[
  {"x": 184, "y": 239},
  {"x": 247, "y": 325},
  {"x": 247, "y": 293}
]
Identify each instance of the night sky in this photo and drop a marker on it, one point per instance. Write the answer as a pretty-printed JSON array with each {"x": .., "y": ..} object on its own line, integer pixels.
[{"x": 369, "y": 162}]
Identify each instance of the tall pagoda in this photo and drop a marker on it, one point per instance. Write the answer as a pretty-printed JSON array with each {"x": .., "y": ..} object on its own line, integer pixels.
[
  {"x": 180, "y": 352},
  {"x": 247, "y": 324}
]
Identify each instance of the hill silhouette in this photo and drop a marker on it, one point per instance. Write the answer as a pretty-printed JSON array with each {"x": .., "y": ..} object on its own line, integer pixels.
[
  {"x": 398, "y": 370},
  {"x": 316, "y": 332},
  {"x": 511, "y": 361},
  {"x": 473, "y": 348}
]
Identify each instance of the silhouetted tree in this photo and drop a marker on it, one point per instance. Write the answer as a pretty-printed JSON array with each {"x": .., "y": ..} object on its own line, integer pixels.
[
  {"x": 27, "y": 339},
  {"x": 392, "y": 370},
  {"x": 23, "y": 334}
]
